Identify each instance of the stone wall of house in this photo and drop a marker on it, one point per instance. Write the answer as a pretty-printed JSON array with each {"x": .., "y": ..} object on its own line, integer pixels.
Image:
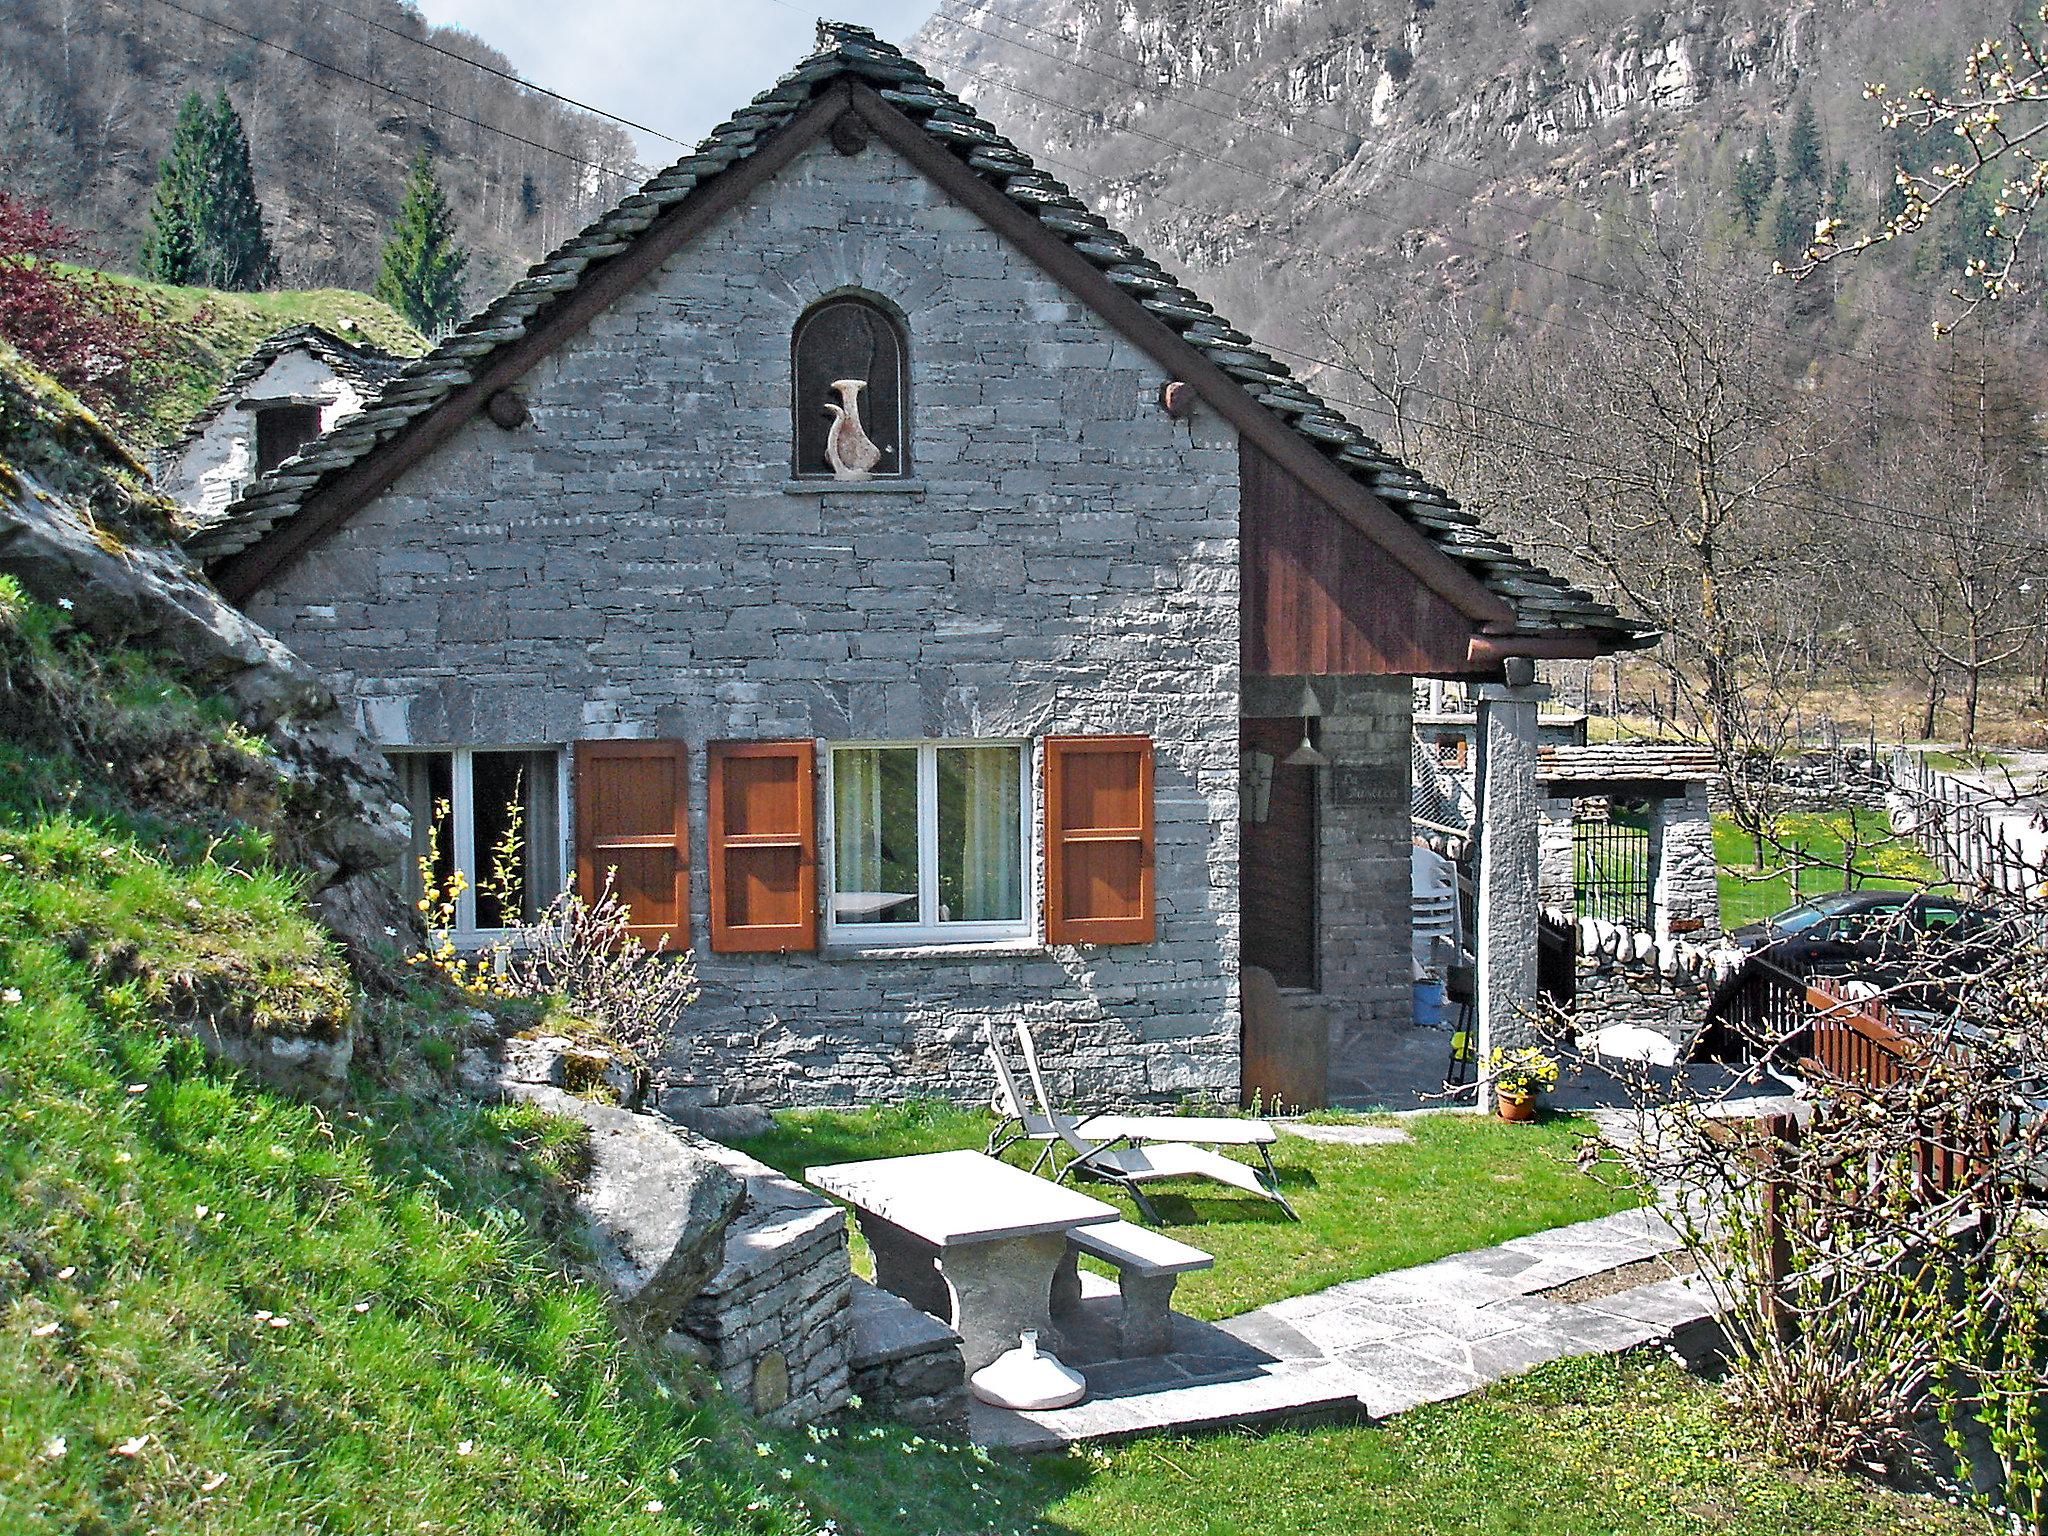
[
  {"x": 208, "y": 472},
  {"x": 634, "y": 561},
  {"x": 1364, "y": 913}
]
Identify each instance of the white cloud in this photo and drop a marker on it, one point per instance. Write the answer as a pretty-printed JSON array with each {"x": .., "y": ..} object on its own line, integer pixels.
[{"x": 679, "y": 66}]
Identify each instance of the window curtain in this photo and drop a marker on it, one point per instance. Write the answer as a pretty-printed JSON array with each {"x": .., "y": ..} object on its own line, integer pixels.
[
  {"x": 856, "y": 824},
  {"x": 991, "y": 884}
]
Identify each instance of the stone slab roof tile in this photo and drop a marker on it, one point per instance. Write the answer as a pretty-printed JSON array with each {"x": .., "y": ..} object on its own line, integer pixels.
[{"x": 1541, "y": 600}]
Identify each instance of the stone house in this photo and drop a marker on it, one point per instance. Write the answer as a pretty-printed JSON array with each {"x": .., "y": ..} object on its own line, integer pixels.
[
  {"x": 293, "y": 386},
  {"x": 929, "y": 611}
]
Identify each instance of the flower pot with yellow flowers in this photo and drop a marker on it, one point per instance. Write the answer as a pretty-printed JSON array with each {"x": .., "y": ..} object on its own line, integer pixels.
[{"x": 1519, "y": 1078}]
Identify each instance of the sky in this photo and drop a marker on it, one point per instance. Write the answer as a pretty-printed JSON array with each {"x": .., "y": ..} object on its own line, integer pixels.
[{"x": 679, "y": 66}]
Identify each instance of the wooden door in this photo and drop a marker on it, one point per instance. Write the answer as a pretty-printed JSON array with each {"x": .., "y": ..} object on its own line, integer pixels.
[{"x": 1277, "y": 860}]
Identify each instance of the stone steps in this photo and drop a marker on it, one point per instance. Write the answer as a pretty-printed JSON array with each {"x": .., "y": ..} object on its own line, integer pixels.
[{"x": 1369, "y": 1349}]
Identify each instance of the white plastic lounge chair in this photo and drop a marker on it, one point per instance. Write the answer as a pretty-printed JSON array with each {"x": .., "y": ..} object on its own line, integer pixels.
[
  {"x": 1015, "y": 1121},
  {"x": 1102, "y": 1150}
]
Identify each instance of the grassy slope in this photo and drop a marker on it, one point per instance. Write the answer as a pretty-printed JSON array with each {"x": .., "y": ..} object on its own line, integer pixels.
[
  {"x": 220, "y": 328},
  {"x": 224, "y": 1310},
  {"x": 1464, "y": 1182}
]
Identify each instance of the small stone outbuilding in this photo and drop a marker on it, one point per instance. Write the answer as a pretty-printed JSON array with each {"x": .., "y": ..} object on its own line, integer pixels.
[
  {"x": 293, "y": 386},
  {"x": 918, "y": 603}
]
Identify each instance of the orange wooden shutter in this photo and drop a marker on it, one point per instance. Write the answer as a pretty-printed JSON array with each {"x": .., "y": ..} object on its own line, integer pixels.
[
  {"x": 764, "y": 846},
  {"x": 632, "y": 825},
  {"x": 1098, "y": 840}
]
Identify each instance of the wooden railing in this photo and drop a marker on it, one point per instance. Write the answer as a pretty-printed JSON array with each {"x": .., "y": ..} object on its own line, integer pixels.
[{"x": 1859, "y": 1045}]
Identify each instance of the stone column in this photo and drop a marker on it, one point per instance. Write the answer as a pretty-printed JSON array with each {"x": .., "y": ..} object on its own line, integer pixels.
[
  {"x": 1556, "y": 873},
  {"x": 1509, "y": 822},
  {"x": 1686, "y": 896}
]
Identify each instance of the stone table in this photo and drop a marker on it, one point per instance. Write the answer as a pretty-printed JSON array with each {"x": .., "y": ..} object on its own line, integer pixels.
[{"x": 966, "y": 1238}]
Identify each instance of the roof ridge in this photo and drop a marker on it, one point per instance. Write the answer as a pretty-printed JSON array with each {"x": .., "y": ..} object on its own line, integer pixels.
[{"x": 1539, "y": 599}]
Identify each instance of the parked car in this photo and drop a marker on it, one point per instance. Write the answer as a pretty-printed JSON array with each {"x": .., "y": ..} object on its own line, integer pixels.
[{"x": 1919, "y": 943}]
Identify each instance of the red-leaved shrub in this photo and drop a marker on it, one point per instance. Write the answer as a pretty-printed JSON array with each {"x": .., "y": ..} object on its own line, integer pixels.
[{"x": 100, "y": 339}]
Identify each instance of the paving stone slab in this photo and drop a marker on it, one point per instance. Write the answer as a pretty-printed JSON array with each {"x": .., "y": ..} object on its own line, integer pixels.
[
  {"x": 1289, "y": 1394},
  {"x": 1668, "y": 1304},
  {"x": 1392, "y": 1380}
]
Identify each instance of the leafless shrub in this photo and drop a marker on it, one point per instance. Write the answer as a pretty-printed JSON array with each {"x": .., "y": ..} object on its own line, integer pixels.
[
  {"x": 586, "y": 953},
  {"x": 1879, "y": 1255}
]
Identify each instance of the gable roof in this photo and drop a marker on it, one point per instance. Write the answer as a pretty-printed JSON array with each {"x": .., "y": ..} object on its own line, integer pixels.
[
  {"x": 365, "y": 366},
  {"x": 853, "y": 71}
]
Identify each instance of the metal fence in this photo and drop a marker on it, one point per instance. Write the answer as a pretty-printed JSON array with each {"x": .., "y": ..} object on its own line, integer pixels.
[{"x": 1611, "y": 865}]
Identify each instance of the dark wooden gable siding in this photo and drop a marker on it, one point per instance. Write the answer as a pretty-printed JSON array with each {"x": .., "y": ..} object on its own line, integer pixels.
[{"x": 1322, "y": 599}]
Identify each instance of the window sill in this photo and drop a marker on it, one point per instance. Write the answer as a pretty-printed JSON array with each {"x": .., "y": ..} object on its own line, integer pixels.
[
  {"x": 972, "y": 949},
  {"x": 876, "y": 487}
]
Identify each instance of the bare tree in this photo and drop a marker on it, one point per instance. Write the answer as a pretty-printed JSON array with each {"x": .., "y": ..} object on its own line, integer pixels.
[{"x": 1664, "y": 458}]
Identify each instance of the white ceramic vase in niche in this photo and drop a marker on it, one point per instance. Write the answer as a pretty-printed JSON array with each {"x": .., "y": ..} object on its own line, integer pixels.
[
  {"x": 1027, "y": 1379},
  {"x": 848, "y": 448}
]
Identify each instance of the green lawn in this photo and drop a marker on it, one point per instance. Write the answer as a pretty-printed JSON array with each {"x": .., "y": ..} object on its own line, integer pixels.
[
  {"x": 1603, "y": 1446},
  {"x": 1820, "y": 840},
  {"x": 1464, "y": 1182}
]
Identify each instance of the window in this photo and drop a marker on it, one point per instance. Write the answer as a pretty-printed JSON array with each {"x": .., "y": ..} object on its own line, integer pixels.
[
  {"x": 928, "y": 842},
  {"x": 494, "y": 815},
  {"x": 849, "y": 389},
  {"x": 281, "y": 431}
]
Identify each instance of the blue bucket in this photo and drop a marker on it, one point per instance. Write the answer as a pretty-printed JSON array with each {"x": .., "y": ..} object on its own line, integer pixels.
[{"x": 1429, "y": 1004}]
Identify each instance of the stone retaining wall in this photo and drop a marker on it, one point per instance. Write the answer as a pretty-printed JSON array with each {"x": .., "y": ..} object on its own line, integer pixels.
[{"x": 772, "y": 1324}]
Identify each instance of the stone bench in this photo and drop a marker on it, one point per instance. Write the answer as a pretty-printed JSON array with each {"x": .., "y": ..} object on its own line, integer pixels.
[{"x": 1148, "y": 1265}]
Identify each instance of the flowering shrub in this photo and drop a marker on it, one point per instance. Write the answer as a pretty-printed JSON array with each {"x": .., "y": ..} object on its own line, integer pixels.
[{"x": 581, "y": 953}]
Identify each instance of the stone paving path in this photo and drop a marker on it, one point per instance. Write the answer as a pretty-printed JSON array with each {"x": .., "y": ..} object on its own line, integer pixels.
[{"x": 1368, "y": 1349}]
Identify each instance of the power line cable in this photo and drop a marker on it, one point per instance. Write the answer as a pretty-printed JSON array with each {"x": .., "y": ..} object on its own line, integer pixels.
[
  {"x": 389, "y": 90},
  {"x": 462, "y": 58}
]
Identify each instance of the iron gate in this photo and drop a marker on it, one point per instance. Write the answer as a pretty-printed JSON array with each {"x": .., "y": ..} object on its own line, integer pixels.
[{"x": 1611, "y": 864}]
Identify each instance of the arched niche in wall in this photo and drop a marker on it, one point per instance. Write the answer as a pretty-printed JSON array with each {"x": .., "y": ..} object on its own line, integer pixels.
[{"x": 850, "y": 392}]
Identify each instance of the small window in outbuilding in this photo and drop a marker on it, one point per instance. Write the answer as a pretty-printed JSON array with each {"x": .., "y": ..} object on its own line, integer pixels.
[
  {"x": 281, "y": 431},
  {"x": 850, "y": 379}
]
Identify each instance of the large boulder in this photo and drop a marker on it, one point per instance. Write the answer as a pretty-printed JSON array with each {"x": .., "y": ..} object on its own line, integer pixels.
[{"x": 656, "y": 1200}]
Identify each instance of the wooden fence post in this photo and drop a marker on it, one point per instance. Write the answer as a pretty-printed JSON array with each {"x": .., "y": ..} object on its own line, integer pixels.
[{"x": 1780, "y": 1136}]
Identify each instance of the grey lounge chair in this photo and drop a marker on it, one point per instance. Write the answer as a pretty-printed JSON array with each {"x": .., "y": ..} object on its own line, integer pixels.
[{"x": 1133, "y": 1150}]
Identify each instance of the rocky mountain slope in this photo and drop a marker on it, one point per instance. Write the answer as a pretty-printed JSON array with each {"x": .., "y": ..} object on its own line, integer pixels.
[
  {"x": 89, "y": 90},
  {"x": 1281, "y": 149}
]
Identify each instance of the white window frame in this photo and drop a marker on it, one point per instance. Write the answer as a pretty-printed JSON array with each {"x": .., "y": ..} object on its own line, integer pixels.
[
  {"x": 932, "y": 934},
  {"x": 462, "y": 812}
]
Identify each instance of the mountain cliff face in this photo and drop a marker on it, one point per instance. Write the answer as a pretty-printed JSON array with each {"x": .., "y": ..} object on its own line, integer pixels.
[{"x": 1284, "y": 148}]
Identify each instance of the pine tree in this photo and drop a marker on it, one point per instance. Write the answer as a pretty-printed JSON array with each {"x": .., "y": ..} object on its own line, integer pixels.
[
  {"x": 1803, "y": 160},
  {"x": 170, "y": 251},
  {"x": 1792, "y": 221},
  {"x": 423, "y": 265},
  {"x": 1766, "y": 166},
  {"x": 206, "y": 223},
  {"x": 1750, "y": 191}
]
